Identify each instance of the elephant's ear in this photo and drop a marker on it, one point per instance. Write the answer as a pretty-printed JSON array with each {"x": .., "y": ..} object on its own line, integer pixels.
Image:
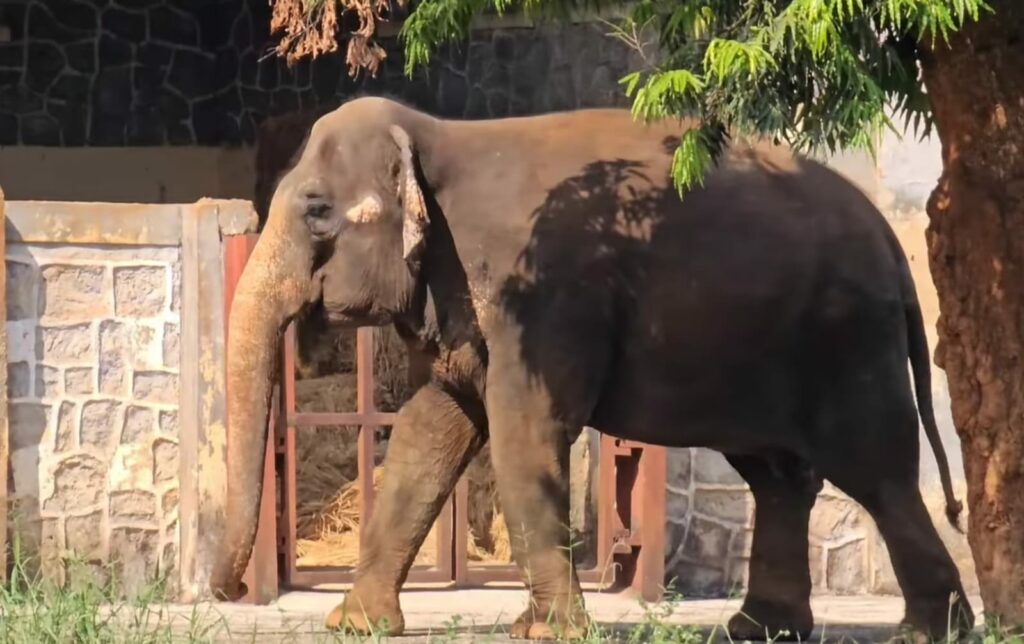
[{"x": 415, "y": 220}]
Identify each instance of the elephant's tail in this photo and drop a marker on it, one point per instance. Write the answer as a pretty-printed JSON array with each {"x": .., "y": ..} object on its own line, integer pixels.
[{"x": 920, "y": 363}]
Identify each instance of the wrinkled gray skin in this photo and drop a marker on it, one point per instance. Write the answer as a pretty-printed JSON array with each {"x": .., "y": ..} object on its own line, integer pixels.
[{"x": 551, "y": 278}]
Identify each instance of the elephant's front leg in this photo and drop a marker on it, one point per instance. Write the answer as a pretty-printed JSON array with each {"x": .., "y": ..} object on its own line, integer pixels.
[{"x": 434, "y": 438}]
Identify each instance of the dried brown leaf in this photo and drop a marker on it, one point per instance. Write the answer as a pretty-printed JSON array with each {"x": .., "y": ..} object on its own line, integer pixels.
[{"x": 309, "y": 28}]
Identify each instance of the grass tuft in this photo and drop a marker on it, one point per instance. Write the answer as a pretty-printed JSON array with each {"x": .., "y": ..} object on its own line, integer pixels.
[{"x": 87, "y": 605}]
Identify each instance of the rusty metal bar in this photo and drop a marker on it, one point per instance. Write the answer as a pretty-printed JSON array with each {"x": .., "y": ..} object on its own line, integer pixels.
[
  {"x": 261, "y": 573},
  {"x": 460, "y": 546},
  {"x": 365, "y": 405},
  {"x": 263, "y": 582},
  {"x": 445, "y": 524},
  {"x": 326, "y": 419},
  {"x": 605, "y": 503},
  {"x": 509, "y": 573},
  {"x": 649, "y": 521},
  {"x": 323, "y": 576},
  {"x": 289, "y": 477}
]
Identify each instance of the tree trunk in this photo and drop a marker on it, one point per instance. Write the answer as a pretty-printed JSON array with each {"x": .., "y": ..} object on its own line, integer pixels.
[{"x": 976, "y": 248}]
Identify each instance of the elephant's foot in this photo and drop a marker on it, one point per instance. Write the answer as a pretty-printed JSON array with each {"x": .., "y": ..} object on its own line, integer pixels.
[
  {"x": 933, "y": 621},
  {"x": 368, "y": 612},
  {"x": 563, "y": 620},
  {"x": 760, "y": 620}
]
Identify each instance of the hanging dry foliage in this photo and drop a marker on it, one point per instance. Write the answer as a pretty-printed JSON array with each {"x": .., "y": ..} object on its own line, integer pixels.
[{"x": 310, "y": 28}]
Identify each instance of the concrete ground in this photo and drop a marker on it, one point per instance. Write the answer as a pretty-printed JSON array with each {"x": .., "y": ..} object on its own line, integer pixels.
[{"x": 484, "y": 616}]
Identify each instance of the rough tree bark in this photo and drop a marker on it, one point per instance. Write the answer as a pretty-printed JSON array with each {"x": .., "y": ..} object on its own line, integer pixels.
[{"x": 976, "y": 248}]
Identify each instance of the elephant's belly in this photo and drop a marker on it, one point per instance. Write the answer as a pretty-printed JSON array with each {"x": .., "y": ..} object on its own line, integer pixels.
[
  {"x": 708, "y": 362},
  {"x": 747, "y": 405}
]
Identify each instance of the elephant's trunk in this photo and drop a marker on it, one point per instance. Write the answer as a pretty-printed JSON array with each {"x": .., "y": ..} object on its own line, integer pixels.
[{"x": 274, "y": 286}]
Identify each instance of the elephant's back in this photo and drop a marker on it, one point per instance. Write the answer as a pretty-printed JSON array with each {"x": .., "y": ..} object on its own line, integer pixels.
[
  {"x": 762, "y": 243},
  {"x": 739, "y": 275}
]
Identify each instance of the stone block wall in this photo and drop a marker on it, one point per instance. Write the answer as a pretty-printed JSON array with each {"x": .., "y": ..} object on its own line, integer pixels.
[
  {"x": 166, "y": 72},
  {"x": 93, "y": 383},
  {"x": 107, "y": 308},
  {"x": 710, "y": 524}
]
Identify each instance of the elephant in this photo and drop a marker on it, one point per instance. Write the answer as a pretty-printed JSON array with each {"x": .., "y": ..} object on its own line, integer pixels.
[{"x": 551, "y": 277}]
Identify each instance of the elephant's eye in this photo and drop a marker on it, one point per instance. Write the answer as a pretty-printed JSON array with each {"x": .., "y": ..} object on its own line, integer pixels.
[
  {"x": 319, "y": 219},
  {"x": 318, "y": 210}
]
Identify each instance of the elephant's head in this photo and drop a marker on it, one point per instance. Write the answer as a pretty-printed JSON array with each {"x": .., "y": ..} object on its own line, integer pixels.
[{"x": 344, "y": 233}]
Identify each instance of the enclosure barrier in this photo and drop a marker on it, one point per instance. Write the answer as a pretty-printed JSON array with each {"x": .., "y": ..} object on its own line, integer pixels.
[
  {"x": 116, "y": 318},
  {"x": 116, "y": 347},
  {"x": 631, "y": 496}
]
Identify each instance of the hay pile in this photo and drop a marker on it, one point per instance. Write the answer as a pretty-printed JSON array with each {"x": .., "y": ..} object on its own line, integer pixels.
[
  {"x": 328, "y": 530},
  {"x": 327, "y": 493},
  {"x": 488, "y": 535}
]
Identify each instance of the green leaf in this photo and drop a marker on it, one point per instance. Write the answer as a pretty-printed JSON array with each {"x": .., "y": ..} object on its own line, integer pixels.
[
  {"x": 818, "y": 75},
  {"x": 630, "y": 81},
  {"x": 692, "y": 159},
  {"x": 730, "y": 59},
  {"x": 664, "y": 91}
]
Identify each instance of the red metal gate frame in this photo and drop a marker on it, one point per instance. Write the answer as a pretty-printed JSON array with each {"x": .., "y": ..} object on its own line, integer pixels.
[
  {"x": 631, "y": 492},
  {"x": 368, "y": 419}
]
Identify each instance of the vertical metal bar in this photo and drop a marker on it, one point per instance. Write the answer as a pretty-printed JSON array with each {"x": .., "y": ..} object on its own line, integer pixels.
[
  {"x": 626, "y": 468},
  {"x": 364, "y": 405},
  {"x": 236, "y": 254},
  {"x": 461, "y": 521},
  {"x": 649, "y": 519},
  {"x": 445, "y": 521},
  {"x": 261, "y": 574},
  {"x": 264, "y": 587},
  {"x": 289, "y": 477},
  {"x": 605, "y": 501}
]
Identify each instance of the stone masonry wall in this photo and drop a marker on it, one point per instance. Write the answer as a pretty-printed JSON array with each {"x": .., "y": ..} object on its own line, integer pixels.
[
  {"x": 198, "y": 72},
  {"x": 710, "y": 523},
  {"x": 93, "y": 385}
]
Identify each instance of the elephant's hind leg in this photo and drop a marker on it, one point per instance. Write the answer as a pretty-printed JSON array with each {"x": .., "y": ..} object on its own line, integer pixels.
[
  {"x": 936, "y": 605},
  {"x": 777, "y": 604},
  {"x": 434, "y": 439}
]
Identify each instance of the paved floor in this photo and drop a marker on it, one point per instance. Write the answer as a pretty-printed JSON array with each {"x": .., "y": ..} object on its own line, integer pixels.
[{"x": 484, "y": 615}]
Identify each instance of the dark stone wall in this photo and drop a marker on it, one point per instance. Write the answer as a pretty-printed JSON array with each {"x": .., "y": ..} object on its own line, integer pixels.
[{"x": 199, "y": 72}]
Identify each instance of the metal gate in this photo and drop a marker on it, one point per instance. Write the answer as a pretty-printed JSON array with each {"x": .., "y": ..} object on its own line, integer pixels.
[{"x": 630, "y": 527}]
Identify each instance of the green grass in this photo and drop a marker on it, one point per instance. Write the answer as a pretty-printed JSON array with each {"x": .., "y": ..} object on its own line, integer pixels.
[
  {"x": 86, "y": 605},
  {"x": 89, "y": 607}
]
